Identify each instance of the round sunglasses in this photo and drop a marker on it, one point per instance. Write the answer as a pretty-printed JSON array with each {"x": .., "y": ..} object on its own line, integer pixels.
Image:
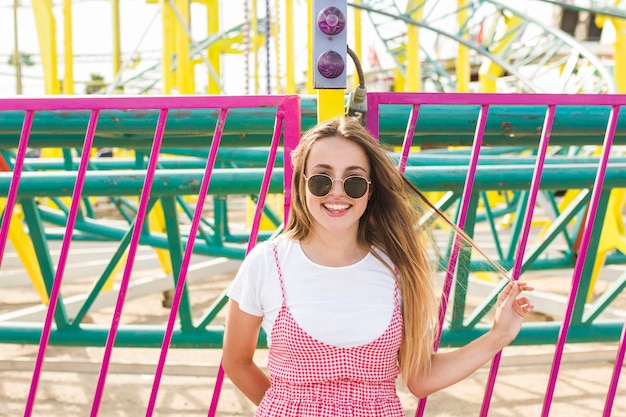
[{"x": 354, "y": 186}]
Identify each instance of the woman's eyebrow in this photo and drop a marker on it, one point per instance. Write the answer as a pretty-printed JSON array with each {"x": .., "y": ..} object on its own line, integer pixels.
[{"x": 350, "y": 168}]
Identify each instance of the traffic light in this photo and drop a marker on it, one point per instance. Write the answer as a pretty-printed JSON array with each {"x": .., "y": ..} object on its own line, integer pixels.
[{"x": 330, "y": 43}]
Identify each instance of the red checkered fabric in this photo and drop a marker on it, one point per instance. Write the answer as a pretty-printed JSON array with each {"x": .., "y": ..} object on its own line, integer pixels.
[{"x": 310, "y": 378}]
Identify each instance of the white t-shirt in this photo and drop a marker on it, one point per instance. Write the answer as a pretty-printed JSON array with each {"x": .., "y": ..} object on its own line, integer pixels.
[{"x": 341, "y": 306}]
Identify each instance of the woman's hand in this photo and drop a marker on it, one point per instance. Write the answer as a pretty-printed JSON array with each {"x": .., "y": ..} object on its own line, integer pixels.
[
  {"x": 511, "y": 309},
  {"x": 450, "y": 367}
]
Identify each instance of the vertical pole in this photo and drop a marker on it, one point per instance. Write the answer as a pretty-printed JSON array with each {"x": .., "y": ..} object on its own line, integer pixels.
[
  {"x": 46, "y": 34},
  {"x": 329, "y": 49},
  {"x": 289, "y": 49},
  {"x": 168, "y": 80},
  {"x": 413, "y": 67},
  {"x": 309, "y": 74},
  {"x": 330, "y": 103},
  {"x": 462, "y": 60},
  {"x": 68, "y": 53},
  {"x": 184, "y": 68},
  {"x": 213, "y": 27},
  {"x": 17, "y": 60},
  {"x": 115, "y": 11}
]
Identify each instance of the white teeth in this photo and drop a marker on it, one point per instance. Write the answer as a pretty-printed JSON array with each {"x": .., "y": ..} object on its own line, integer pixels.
[{"x": 336, "y": 206}]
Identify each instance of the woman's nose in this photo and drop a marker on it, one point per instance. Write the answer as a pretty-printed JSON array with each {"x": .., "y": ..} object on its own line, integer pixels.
[{"x": 337, "y": 187}]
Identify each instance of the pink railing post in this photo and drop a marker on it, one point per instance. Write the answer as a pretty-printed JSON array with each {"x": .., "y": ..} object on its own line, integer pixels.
[
  {"x": 58, "y": 278},
  {"x": 582, "y": 256},
  {"x": 521, "y": 247},
  {"x": 132, "y": 250},
  {"x": 182, "y": 277},
  {"x": 462, "y": 217},
  {"x": 256, "y": 222}
]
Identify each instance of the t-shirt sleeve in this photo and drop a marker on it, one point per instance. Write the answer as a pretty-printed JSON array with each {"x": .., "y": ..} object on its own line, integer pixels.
[{"x": 246, "y": 287}]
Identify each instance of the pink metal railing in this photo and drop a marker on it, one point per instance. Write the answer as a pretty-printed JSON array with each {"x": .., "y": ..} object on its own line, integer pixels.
[
  {"x": 376, "y": 100},
  {"x": 287, "y": 126}
]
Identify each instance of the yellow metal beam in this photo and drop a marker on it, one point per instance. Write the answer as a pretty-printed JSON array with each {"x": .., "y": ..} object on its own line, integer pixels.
[
  {"x": 117, "y": 42},
  {"x": 290, "y": 57},
  {"x": 413, "y": 65},
  {"x": 168, "y": 21},
  {"x": 330, "y": 104},
  {"x": 68, "y": 50},
  {"x": 214, "y": 51},
  {"x": 46, "y": 33},
  {"x": 184, "y": 67},
  {"x": 309, "y": 74}
]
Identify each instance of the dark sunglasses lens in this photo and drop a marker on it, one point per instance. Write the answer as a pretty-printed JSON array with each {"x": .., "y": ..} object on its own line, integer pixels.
[
  {"x": 355, "y": 187},
  {"x": 319, "y": 185}
]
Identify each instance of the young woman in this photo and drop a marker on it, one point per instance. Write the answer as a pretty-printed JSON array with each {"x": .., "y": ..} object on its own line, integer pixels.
[{"x": 345, "y": 295}]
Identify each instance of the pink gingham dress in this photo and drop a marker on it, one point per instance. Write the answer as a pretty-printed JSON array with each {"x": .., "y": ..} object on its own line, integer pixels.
[{"x": 310, "y": 378}]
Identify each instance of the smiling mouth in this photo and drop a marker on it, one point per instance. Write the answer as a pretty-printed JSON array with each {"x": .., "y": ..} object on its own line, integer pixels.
[{"x": 337, "y": 207}]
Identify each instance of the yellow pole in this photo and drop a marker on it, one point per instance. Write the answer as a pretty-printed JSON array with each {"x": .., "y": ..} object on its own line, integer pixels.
[
  {"x": 214, "y": 51},
  {"x": 116, "y": 38},
  {"x": 309, "y": 75},
  {"x": 413, "y": 67},
  {"x": 25, "y": 250},
  {"x": 16, "y": 52},
  {"x": 275, "y": 31},
  {"x": 156, "y": 221},
  {"x": 184, "y": 67},
  {"x": 330, "y": 103},
  {"x": 46, "y": 33},
  {"x": 290, "y": 72},
  {"x": 463, "y": 73},
  {"x": 168, "y": 17},
  {"x": 68, "y": 53}
]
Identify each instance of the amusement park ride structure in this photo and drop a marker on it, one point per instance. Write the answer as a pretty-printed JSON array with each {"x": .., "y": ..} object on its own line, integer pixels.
[{"x": 453, "y": 45}]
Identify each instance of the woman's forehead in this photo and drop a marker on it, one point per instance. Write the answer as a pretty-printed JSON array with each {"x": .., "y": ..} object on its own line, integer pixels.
[{"x": 338, "y": 153}]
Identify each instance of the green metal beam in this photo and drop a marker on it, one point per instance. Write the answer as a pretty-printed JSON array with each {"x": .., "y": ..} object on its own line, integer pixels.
[{"x": 506, "y": 126}]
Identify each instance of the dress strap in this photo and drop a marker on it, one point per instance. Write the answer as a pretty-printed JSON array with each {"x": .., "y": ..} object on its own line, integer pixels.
[
  {"x": 280, "y": 273},
  {"x": 396, "y": 282}
]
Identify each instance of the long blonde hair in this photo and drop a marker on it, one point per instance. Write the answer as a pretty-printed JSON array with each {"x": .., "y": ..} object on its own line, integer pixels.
[{"x": 391, "y": 223}]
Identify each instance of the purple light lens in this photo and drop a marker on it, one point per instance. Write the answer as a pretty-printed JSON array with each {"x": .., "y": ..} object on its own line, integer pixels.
[
  {"x": 330, "y": 64},
  {"x": 331, "y": 20}
]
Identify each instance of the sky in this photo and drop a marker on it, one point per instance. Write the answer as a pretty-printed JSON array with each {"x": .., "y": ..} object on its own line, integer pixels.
[{"x": 141, "y": 31}]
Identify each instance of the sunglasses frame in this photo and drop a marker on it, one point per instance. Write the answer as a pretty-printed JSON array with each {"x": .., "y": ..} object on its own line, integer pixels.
[{"x": 343, "y": 184}]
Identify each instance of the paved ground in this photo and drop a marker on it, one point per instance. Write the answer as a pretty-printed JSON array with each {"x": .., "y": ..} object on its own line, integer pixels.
[
  {"x": 186, "y": 388},
  {"x": 70, "y": 376}
]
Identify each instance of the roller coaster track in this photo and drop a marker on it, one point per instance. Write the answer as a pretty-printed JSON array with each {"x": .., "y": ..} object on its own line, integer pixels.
[
  {"x": 529, "y": 52},
  {"x": 533, "y": 54}
]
